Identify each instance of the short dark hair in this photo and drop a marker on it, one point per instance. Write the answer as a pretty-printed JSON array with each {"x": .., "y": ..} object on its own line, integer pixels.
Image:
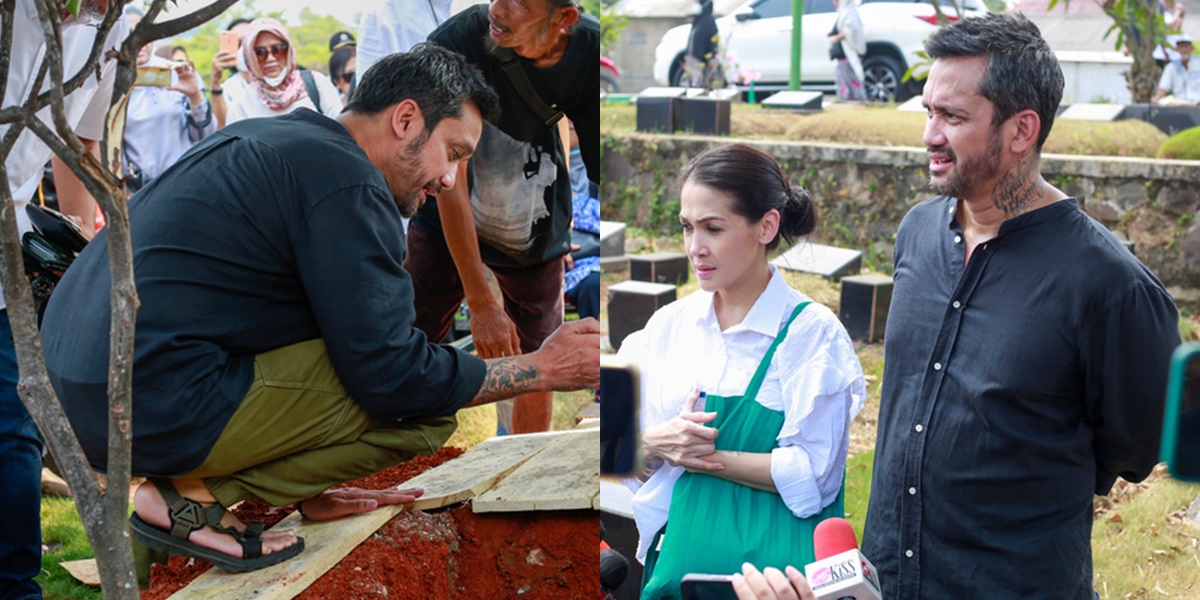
[
  {"x": 236, "y": 22},
  {"x": 438, "y": 80},
  {"x": 339, "y": 58},
  {"x": 756, "y": 183},
  {"x": 1022, "y": 71}
]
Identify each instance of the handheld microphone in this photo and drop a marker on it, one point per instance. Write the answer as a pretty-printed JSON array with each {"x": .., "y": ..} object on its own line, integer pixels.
[
  {"x": 613, "y": 569},
  {"x": 841, "y": 572}
]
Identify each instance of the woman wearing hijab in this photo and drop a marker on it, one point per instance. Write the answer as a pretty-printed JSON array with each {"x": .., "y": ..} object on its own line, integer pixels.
[
  {"x": 276, "y": 86},
  {"x": 848, "y": 36}
]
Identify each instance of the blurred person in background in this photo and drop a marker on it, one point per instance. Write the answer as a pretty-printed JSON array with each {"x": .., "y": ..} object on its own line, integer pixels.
[
  {"x": 848, "y": 47},
  {"x": 161, "y": 123},
  {"x": 225, "y": 91},
  {"x": 390, "y": 26},
  {"x": 342, "y": 61},
  {"x": 173, "y": 53},
  {"x": 277, "y": 86}
]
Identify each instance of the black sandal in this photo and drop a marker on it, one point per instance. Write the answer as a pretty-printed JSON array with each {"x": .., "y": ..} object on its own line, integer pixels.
[{"x": 188, "y": 516}]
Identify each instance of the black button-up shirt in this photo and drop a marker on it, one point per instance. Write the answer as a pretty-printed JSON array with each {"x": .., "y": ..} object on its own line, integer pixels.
[{"x": 1015, "y": 387}]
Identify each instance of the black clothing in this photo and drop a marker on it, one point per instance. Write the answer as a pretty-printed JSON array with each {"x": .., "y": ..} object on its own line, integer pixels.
[
  {"x": 702, "y": 44},
  {"x": 519, "y": 167},
  {"x": 267, "y": 233},
  {"x": 1015, "y": 387}
]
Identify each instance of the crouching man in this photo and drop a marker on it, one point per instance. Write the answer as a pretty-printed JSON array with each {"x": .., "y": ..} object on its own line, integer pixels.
[{"x": 275, "y": 354}]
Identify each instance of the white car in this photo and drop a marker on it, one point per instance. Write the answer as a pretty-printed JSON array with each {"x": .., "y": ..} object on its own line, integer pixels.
[{"x": 758, "y": 35}]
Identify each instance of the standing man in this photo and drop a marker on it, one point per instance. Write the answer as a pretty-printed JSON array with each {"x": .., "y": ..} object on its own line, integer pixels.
[
  {"x": 515, "y": 213},
  {"x": 1180, "y": 82},
  {"x": 86, "y": 108},
  {"x": 1027, "y": 350},
  {"x": 275, "y": 355},
  {"x": 699, "y": 65},
  {"x": 390, "y": 26}
]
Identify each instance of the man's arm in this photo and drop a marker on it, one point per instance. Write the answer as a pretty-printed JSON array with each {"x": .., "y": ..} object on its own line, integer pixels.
[
  {"x": 1127, "y": 351},
  {"x": 494, "y": 334},
  {"x": 568, "y": 360},
  {"x": 73, "y": 198}
]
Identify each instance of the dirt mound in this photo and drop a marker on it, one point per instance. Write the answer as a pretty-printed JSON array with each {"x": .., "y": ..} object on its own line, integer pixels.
[{"x": 446, "y": 554}]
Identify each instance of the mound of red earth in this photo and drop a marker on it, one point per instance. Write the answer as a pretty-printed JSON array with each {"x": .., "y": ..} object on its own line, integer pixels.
[{"x": 451, "y": 553}]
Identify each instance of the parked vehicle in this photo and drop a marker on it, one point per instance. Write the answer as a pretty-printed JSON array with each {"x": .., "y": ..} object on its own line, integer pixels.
[
  {"x": 757, "y": 36},
  {"x": 609, "y": 74}
]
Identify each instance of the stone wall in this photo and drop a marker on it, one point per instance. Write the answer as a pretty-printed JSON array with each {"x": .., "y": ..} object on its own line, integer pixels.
[{"x": 863, "y": 192}]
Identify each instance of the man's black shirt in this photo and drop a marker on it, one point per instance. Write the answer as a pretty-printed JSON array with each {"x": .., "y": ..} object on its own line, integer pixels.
[
  {"x": 1015, "y": 387},
  {"x": 268, "y": 233}
]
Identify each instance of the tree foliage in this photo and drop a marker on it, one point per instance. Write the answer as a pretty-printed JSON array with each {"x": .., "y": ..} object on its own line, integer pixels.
[
  {"x": 1139, "y": 27},
  {"x": 310, "y": 35},
  {"x": 611, "y": 21}
]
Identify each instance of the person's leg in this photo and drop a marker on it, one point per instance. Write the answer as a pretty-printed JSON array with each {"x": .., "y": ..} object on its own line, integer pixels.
[
  {"x": 296, "y": 433},
  {"x": 437, "y": 290},
  {"x": 20, "y": 482},
  {"x": 586, "y": 296},
  {"x": 533, "y": 299}
]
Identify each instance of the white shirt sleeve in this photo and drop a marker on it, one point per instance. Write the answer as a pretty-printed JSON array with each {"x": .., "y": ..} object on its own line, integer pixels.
[
  {"x": 331, "y": 101},
  {"x": 823, "y": 390},
  {"x": 237, "y": 106},
  {"x": 374, "y": 42}
]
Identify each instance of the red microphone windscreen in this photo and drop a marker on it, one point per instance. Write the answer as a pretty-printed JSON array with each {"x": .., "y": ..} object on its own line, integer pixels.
[{"x": 833, "y": 536}]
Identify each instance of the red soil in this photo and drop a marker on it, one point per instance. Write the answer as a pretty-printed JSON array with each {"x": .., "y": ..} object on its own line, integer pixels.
[{"x": 446, "y": 554}]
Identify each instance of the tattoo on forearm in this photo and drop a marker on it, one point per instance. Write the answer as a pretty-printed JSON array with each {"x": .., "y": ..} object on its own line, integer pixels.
[
  {"x": 653, "y": 464},
  {"x": 507, "y": 377},
  {"x": 1016, "y": 188}
]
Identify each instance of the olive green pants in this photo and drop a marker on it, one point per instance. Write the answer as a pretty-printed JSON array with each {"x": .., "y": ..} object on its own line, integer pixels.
[{"x": 298, "y": 432}]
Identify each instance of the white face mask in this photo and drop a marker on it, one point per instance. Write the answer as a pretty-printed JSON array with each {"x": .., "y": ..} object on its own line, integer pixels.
[
  {"x": 241, "y": 62},
  {"x": 275, "y": 81}
]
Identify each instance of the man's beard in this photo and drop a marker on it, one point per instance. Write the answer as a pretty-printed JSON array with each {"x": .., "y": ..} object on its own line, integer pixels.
[
  {"x": 497, "y": 51},
  {"x": 406, "y": 177},
  {"x": 965, "y": 176}
]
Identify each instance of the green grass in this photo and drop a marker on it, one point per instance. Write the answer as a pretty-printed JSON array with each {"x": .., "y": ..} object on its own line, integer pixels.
[
  {"x": 1146, "y": 554},
  {"x": 886, "y": 126},
  {"x": 61, "y": 524}
]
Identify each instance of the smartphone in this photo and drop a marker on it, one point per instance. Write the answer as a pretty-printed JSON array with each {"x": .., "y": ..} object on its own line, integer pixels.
[
  {"x": 696, "y": 586},
  {"x": 229, "y": 42},
  {"x": 154, "y": 76},
  {"x": 1181, "y": 417},
  {"x": 619, "y": 431}
]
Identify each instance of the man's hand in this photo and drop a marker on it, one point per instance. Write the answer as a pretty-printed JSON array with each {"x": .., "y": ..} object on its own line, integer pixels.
[
  {"x": 337, "y": 503},
  {"x": 684, "y": 440},
  {"x": 771, "y": 584},
  {"x": 494, "y": 334},
  {"x": 570, "y": 358}
]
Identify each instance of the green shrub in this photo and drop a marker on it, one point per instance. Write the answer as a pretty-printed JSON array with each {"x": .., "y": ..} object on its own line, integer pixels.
[{"x": 1184, "y": 145}]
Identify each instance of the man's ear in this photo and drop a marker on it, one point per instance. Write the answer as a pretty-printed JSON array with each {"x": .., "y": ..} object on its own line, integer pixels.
[
  {"x": 565, "y": 17},
  {"x": 406, "y": 116},
  {"x": 1026, "y": 127}
]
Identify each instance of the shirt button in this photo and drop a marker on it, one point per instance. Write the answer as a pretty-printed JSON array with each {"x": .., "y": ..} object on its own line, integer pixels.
[
  {"x": 956, "y": 304},
  {"x": 958, "y": 239},
  {"x": 951, "y": 209},
  {"x": 919, "y": 428},
  {"x": 908, "y": 553},
  {"x": 937, "y": 366},
  {"x": 912, "y": 491}
]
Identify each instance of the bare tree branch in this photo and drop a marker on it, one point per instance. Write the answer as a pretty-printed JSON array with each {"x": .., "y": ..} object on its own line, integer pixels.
[{"x": 7, "y": 9}]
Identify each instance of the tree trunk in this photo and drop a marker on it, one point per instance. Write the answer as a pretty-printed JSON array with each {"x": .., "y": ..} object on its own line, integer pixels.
[{"x": 103, "y": 512}]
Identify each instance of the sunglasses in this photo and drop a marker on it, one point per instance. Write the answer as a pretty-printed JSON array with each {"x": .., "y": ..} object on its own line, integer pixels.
[
  {"x": 279, "y": 50},
  {"x": 344, "y": 77}
]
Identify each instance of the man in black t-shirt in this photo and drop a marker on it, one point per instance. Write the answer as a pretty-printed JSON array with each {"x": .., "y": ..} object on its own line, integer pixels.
[
  {"x": 515, "y": 214},
  {"x": 274, "y": 352}
]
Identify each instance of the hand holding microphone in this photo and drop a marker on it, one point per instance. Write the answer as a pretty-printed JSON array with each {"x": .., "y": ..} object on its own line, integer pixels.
[{"x": 841, "y": 572}]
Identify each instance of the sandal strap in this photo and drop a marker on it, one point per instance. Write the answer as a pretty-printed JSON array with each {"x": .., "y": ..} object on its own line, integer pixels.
[{"x": 187, "y": 515}]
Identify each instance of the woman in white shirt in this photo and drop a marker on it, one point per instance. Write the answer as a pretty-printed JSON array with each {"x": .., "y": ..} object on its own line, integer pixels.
[
  {"x": 753, "y": 360},
  {"x": 276, "y": 86}
]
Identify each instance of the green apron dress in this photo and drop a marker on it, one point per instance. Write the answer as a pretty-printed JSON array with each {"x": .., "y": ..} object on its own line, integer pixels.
[{"x": 715, "y": 525}]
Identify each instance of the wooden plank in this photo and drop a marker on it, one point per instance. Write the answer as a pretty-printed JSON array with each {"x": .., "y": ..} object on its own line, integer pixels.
[
  {"x": 328, "y": 542},
  {"x": 564, "y": 476}
]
